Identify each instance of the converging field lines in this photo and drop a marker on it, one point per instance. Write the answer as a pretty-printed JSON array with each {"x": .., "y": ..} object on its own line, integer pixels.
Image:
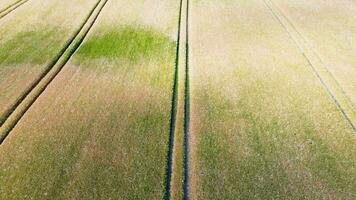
[
  {"x": 11, "y": 8},
  {"x": 321, "y": 71},
  {"x": 28, "y": 97}
]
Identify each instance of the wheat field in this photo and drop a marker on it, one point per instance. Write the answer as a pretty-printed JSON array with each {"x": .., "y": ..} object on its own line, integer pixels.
[{"x": 177, "y": 99}]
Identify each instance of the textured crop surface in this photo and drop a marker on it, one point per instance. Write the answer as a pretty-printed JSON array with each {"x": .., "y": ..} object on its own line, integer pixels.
[
  {"x": 100, "y": 130},
  {"x": 30, "y": 40},
  {"x": 178, "y": 99},
  {"x": 329, "y": 28},
  {"x": 262, "y": 124}
]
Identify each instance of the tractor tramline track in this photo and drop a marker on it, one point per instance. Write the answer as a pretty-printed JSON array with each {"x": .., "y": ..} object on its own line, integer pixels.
[
  {"x": 314, "y": 52},
  {"x": 37, "y": 88},
  {"x": 186, "y": 154},
  {"x": 173, "y": 119},
  {"x": 47, "y": 69},
  {"x": 341, "y": 101},
  {"x": 11, "y": 8},
  {"x": 172, "y": 158}
]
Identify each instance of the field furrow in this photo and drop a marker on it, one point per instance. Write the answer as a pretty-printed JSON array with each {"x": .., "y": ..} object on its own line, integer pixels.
[
  {"x": 262, "y": 124},
  {"x": 29, "y": 50},
  {"x": 100, "y": 130}
]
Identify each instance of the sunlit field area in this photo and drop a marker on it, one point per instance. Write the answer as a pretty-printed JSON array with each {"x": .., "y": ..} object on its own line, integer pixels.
[{"x": 177, "y": 99}]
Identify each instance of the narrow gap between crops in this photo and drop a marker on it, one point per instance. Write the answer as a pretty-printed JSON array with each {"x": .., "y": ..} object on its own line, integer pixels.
[
  {"x": 186, "y": 195},
  {"x": 326, "y": 87},
  {"x": 173, "y": 119},
  {"x": 315, "y": 53},
  {"x": 4, "y": 131},
  {"x": 48, "y": 68},
  {"x": 11, "y": 8}
]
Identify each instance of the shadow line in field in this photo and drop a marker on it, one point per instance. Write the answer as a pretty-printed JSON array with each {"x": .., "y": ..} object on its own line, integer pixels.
[{"x": 36, "y": 89}]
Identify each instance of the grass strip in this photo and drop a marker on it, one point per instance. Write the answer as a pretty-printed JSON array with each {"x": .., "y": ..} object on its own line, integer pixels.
[
  {"x": 48, "y": 68},
  {"x": 11, "y": 8},
  {"x": 330, "y": 84},
  {"x": 173, "y": 120},
  {"x": 38, "y": 89}
]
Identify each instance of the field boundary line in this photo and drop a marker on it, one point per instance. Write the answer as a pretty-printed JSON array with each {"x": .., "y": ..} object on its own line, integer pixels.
[
  {"x": 186, "y": 154},
  {"x": 341, "y": 100},
  {"x": 28, "y": 101},
  {"x": 48, "y": 68},
  {"x": 7, "y": 10},
  {"x": 173, "y": 119}
]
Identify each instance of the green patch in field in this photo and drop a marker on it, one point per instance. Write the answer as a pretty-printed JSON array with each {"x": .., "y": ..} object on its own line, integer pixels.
[
  {"x": 128, "y": 43},
  {"x": 34, "y": 47}
]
